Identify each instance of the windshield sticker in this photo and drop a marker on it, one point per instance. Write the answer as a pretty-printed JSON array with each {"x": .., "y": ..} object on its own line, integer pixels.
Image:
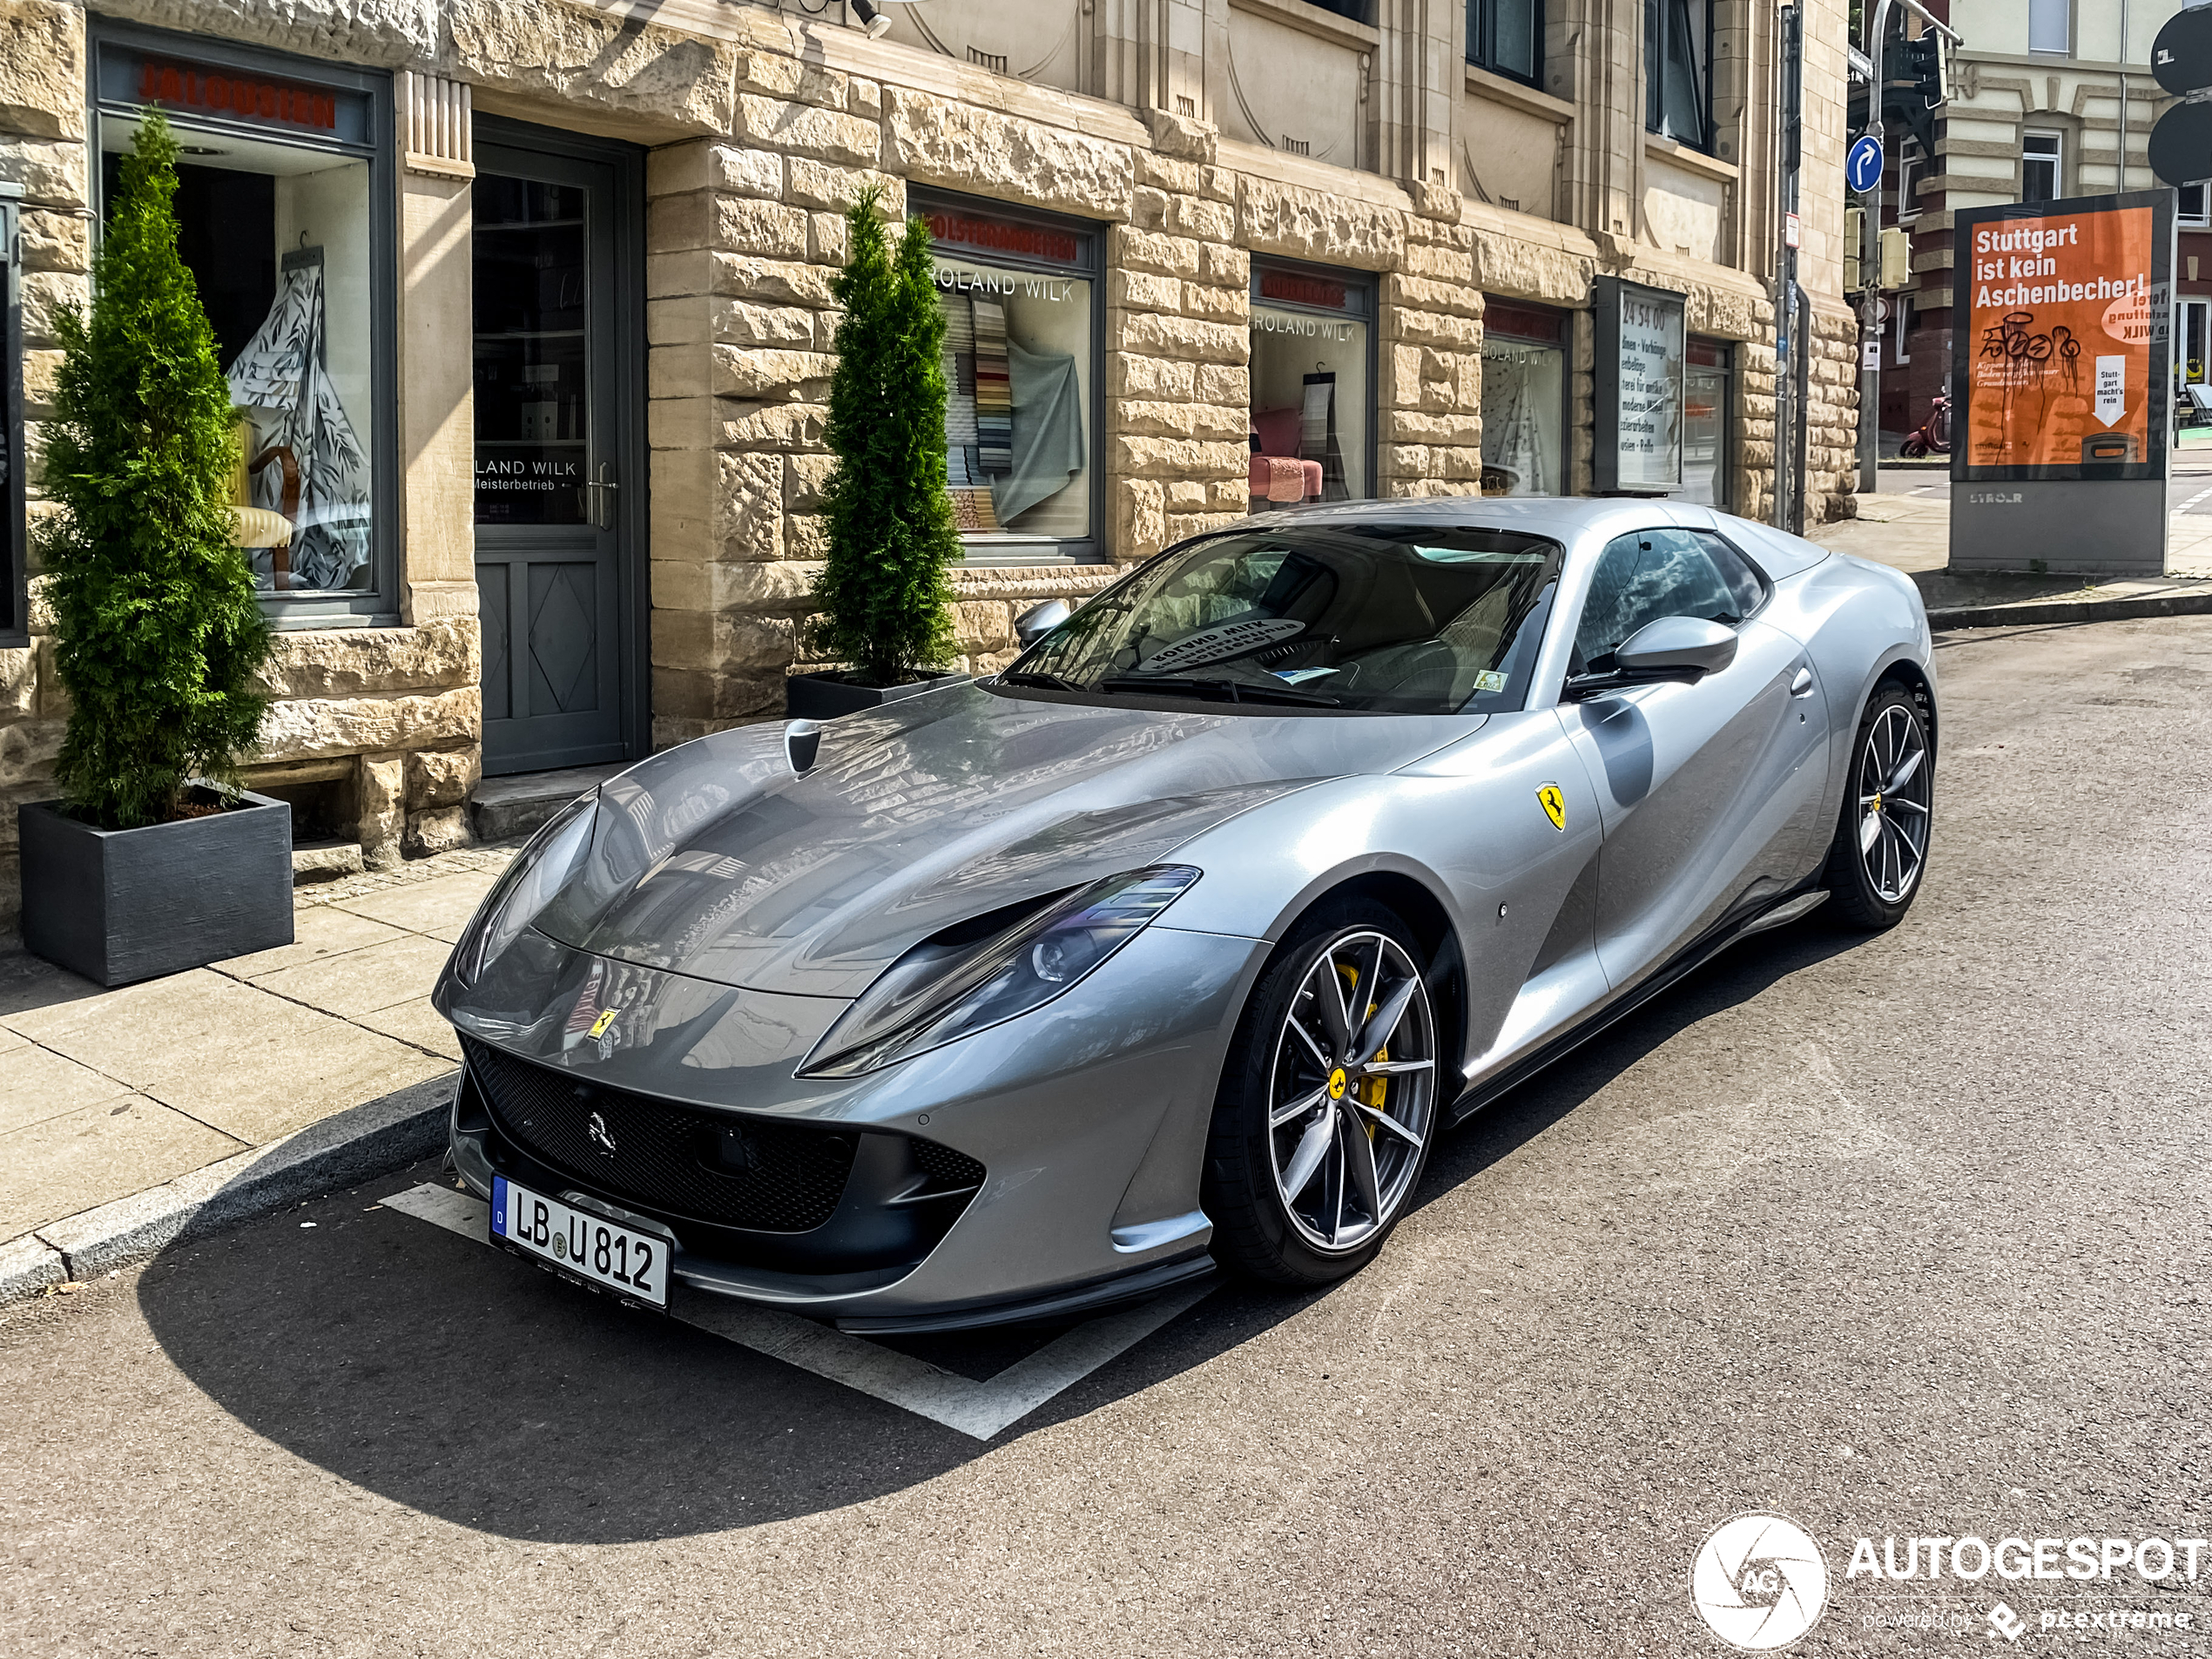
[
  {"x": 1219, "y": 645},
  {"x": 1489, "y": 681},
  {"x": 1299, "y": 676}
]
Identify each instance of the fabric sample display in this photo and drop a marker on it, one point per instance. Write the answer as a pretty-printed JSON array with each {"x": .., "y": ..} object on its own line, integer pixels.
[
  {"x": 1318, "y": 435},
  {"x": 280, "y": 377},
  {"x": 972, "y": 509},
  {"x": 960, "y": 418},
  {"x": 994, "y": 388},
  {"x": 1047, "y": 430}
]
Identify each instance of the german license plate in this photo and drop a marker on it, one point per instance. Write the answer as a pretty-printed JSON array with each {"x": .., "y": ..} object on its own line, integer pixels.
[{"x": 600, "y": 1251}]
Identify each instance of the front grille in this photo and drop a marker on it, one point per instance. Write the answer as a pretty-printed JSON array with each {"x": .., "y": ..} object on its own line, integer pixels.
[{"x": 753, "y": 1173}]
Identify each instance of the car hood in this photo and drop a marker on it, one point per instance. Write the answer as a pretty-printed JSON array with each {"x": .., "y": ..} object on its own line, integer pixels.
[{"x": 715, "y": 862}]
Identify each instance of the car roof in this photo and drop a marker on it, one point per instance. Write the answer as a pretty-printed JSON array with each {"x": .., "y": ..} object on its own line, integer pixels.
[{"x": 1579, "y": 522}]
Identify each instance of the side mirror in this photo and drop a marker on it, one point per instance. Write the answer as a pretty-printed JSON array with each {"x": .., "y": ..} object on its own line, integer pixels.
[
  {"x": 1035, "y": 623},
  {"x": 1676, "y": 648}
]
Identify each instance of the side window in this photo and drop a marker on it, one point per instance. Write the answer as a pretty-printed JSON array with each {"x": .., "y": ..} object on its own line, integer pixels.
[
  {"x": 1648, "y": 575},
  {"x": 1744, "y": 582}
]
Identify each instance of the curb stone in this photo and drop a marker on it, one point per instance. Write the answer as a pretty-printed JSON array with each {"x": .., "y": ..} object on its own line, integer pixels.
[
  {"x": 342, "y": 1151},
  {"x": 2043, "y": 613}
]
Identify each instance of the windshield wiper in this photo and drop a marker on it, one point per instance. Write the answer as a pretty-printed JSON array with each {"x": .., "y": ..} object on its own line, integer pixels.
[
  {"x": 1238, "y": 691},
  {"x": 1043, "y": 682}
]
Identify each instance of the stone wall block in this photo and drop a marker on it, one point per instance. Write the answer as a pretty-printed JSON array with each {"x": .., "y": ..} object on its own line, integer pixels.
[
  {"x": 1224, "y": 267},
  {"x": 320, "y": 729},
  {"x": 771, "y": 426},
  {"x": 983, "y": 625},
  {"x": 1132, "y": 249},
  {"x": 441, "y": 776},
  {"x": 442, "y": 829},
  {"x": 1149, "y": 208},
  {"x": 1143, "y": 291},
  {"x": 1208, "y": 221},
  {"x": 380, "y": 794},
  {"x": 1132, "y": 456},
  {"x": 1167, "y": 173},
  {"x": 18, "y": 683},
  {"x": 704, "y": 165},
  {"x": 660, "y": 76},
  {"x": 1187, "y": 338},
  {"x": 805, "y": 478},
  {"x": 52, "y": 174},
  {"x": 748, "y": 498},
  {"x": 1305, "y": 224},
  {"x": 961, "y": 145},
  {"x": 771, "y": 230},
  {"x": 54, "y": 241},
  {"x": 813, "y": 184},
  {"x": 371, "y": 661},
  {"x": 1135, "y": 375},
  {"x": 1229, "y": 305},
  {"x": 46, "y": 293},
  {"x": 42, "y": 69},
  {"x": 801, "y": 129},
  {"x": 1140, "y": 518},
  {"x": 825, "y": 238}
]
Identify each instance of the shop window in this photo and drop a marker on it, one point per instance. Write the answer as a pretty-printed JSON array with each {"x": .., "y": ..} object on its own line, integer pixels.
[
  {"x": 1312, "y": 386},
  {"x": 1706, "y": 396},
  {"x": 1678, "y": 70},
  {"x": 284, "y": 216},
  {"x": 1506, "y": 36},
  {"x": 2190, "y": 360},
  {"x": 1019, "y": 297},
  {"x": 1524, "y": 399},
  {"x": 2042, "y": 154}
]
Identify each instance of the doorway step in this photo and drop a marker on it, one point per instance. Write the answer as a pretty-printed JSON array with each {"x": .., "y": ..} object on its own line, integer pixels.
[{"x": 504, "y": 809}]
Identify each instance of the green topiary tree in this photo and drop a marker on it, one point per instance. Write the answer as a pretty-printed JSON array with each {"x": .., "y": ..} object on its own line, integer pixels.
[
  {"x": 159, "y": 632},
  {"x": 886, "y": 600}
]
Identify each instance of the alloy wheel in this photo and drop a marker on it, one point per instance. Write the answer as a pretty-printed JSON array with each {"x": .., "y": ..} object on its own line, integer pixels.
[
  {"x": 1893, "y": 803},
  {"x": 1351, "y": 1095}
]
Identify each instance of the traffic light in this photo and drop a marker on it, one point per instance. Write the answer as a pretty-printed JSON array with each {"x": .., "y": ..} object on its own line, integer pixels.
[
  {"x": 1896, "y": 258},
  {"x": 1927, "y": 62}
]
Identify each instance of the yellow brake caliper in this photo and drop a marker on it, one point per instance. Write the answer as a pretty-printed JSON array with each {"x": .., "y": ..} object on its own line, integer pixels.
[{"x": 1370, "y": 1092}]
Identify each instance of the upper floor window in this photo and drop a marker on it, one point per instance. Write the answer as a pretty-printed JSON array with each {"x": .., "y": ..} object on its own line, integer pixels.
[
  {"x": 2192, "y": 208},
  {"x": 1678, "y": 70},
  {"x": 1506, "y": 36},
  {"x": 1355, "y": 9},
  {"x": 1908, "y": 188},
  {"x": 2050, "y": 26},
  {"x": 2041, "y": 156}
]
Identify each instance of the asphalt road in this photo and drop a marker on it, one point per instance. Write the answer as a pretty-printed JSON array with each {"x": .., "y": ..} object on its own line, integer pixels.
[{"x": 1901, "y": 1236}]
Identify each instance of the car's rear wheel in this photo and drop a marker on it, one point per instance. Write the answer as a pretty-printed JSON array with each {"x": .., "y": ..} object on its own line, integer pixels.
[
  {"x": 1328, "y": 1104},
  {"x": 1881, "y": 845}
]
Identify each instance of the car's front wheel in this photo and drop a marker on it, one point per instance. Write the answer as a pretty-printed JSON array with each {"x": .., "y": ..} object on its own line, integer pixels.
[
  {"x": 1328, "y": 1104},
  {"x": 1882, "y": 837}
]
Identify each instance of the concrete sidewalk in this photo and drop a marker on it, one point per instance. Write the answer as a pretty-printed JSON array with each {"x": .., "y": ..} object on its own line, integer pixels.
[
  {"x": 1907, "y": 526},
  {"x": 125, "y": 1114}
]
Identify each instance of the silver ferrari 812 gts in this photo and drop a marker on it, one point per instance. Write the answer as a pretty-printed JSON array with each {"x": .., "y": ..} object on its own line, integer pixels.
[{"x": 1179, "y": 942}]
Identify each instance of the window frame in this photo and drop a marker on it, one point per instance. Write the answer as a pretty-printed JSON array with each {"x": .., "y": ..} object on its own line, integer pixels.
[
  {"x": 2203, "y": 217},
  {"x": 15, "y": 562},
  {"x": 1364, "y": 282},
  {"x": 1904, "y": 320},
  {"x": 1482, "y": 39},
  {"x": 1909, "y": 162},
  {"x": 2065, "y": 11},
  {"x": 1654, "y": 79},
  {"x": 2056, "y": 158},
  {"x": 377, "y": 605},
  {"x": 1725, "y": 473},
  {"x": 922, "y": 201}
]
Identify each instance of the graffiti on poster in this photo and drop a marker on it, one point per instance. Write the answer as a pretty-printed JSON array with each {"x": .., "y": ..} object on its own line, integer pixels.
[{"x": 2059, "y": 339}]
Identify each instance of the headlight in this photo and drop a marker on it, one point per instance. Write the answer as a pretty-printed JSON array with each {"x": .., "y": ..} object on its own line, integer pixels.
[
  {"x": 946, "y": 989},
  {"x": 532, "y": 882}
]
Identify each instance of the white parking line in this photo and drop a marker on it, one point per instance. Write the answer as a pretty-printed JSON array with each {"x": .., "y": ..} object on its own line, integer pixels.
[{"x": 977, "y": 1409}]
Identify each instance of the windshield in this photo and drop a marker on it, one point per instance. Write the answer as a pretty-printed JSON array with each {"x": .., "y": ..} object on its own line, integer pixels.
[{"x": 1392, "y": 619}]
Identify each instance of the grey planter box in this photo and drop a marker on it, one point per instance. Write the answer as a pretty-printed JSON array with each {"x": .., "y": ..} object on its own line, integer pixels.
[
  {"x": 120, "y": 905},
  {"x": 824, "y": 697}
]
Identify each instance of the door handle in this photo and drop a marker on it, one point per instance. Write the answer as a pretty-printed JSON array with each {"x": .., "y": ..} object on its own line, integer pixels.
[
  {"x": 1801, "y": 686},
  {"x": 600, "y": 492}
]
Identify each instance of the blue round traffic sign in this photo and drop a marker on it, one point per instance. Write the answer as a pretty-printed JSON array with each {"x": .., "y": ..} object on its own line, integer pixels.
[{"x": 1863, "y": 167}]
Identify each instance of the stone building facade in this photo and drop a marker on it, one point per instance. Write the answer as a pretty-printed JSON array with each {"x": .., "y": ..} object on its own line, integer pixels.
[{"x": 1202, "y": 233}]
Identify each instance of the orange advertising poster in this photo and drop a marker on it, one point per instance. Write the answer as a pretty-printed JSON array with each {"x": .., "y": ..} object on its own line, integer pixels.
[{"x": 2058, "y": 351}]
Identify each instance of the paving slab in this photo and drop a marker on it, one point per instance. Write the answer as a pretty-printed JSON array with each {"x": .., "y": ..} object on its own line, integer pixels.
[
  {"x": 356, "y": 982},
  {"x": 417, "y": 1023},
  {"x": 434, "y": 907},
  {"x": 87, "y": 1157},
  {"x": 28, "y": 982},
  {"x": 37, "y": 1084},
  {"x": 317, "y": 932},
  {"x": 229, "y": 1054}
]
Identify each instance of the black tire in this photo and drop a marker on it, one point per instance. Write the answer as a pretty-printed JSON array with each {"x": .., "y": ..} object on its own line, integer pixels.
[
  {"x": 1913, "y": 448},
  {"x": 1870, "y": 886},
  {"x": 1257, "y": 1231}
]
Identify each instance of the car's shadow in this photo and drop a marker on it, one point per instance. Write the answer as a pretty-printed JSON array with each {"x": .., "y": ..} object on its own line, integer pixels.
[{"x": 462, "y": 1383}]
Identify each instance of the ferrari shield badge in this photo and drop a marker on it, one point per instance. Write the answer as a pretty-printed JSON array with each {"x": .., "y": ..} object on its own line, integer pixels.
[{"x": 1554, "y": 804}]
